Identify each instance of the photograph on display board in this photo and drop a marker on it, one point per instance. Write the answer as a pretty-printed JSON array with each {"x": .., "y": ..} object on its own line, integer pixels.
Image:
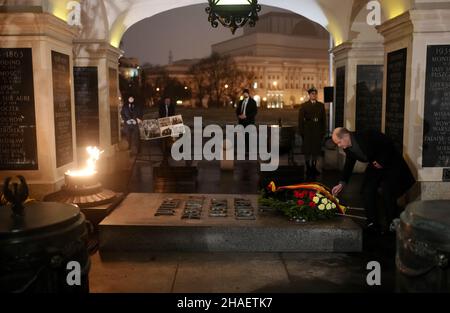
[{"x": 163, "y": 127}]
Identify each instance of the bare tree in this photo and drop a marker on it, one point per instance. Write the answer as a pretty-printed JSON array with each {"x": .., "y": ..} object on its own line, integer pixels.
[{"x": 220, "y": 78}]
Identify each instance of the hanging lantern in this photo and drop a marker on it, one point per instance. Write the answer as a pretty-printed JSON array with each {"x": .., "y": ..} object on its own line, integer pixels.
[{"x": 233, "y": 14}]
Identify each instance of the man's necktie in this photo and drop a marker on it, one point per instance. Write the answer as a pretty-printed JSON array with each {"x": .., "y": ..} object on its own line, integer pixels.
[{"x": 244, "y": 106}]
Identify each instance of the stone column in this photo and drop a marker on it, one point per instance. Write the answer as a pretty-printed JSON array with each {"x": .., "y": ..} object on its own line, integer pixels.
[
  {"x": 417, "y": 31},
  {"x": 50, "y": 41},
  {"x": 347, "y": 57},
  {"x": 103, "y": 57}
]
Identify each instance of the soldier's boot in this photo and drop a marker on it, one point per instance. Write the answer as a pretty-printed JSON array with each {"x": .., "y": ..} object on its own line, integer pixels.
[
  {"x": 314, "y": 169},
  {"x": 309, "y": 175}
]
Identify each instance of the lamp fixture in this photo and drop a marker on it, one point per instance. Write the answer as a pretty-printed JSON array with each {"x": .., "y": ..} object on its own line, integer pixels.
[{"x": 233, "y": 13}]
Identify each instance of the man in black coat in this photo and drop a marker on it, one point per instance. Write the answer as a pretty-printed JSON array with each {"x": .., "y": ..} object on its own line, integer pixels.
[
  {"x": 132, "y": 114},
  {"x": 386, "y": 169},
  {"x": 246, "y": 110},
  {"x": 166, "y": 108}
]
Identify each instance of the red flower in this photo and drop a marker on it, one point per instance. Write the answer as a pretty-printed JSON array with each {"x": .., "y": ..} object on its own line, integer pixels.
[
  {"x": 312, "y": 204},
  {"x": 302, "y": 194},
  {"x": 300, "y": 202},
  {"x": 312, "y": 194},
  {"x": 297, "y": 194}
]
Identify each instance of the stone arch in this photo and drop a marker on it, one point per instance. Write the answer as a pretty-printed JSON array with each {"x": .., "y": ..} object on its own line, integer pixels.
[
  {"x": 143, "y": 9},
  {"x": 109, "y": 19},
  {"x": 94, "y": 17}
]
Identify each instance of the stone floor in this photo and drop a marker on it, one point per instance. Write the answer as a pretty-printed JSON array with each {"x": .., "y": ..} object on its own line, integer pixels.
[{"x": 237, "y": 272}]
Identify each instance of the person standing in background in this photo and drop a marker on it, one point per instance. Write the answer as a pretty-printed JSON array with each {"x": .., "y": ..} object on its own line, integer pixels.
[
  {"x": 312, "y": 128},
  {"x": 132, "y": 114},
  {"x": 166, "y": 109},
  {"x": 246, "y": 110}
]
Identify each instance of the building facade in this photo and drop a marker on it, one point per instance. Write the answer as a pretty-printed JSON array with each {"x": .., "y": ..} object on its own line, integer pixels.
[{"x": 288, "y": 55}]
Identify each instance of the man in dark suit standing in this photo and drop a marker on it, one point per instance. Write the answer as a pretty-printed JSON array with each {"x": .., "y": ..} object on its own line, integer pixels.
[
  {"x": 166, "y": 108},
  {"x": 132, "y": 114},
  {"x": 246, "y": 110},
  {"x": 386, "y": 169}
]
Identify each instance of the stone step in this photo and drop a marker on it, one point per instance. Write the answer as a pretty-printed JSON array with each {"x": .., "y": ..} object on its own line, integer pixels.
[{"x": 133, "y": 227}]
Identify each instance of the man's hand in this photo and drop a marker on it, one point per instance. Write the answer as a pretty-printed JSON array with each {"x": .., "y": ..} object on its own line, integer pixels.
[
  {"x": 377, "y": 165},
  {"x": 242, "y": 117},
  {"x": 139, "y": 121},
  {"x": 337, "y": 189}
]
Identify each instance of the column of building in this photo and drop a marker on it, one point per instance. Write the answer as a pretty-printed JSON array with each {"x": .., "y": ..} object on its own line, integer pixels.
[
  {"x": 37, "y": 108},
  {"x": 416, "y": 99}
]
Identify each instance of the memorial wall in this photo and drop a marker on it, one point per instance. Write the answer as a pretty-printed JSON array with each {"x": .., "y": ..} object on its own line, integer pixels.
[{"x": 18, "y": 147}]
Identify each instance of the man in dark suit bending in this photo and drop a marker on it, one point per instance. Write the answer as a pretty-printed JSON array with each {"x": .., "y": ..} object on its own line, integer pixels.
[{"x": 386, "y": 169}]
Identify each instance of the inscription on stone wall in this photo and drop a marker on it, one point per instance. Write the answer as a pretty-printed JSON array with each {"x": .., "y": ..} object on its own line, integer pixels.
[
  {"x": 436, "y": 138},
  {"x": 340, "y": 96},
  {"x": 86, "y": 106},
  {"x": 369, "y": 97},
  {"x": 395, "y": 96},
  {"x": 62, "y": 108},
  {"x": 114, "y": 106},
  {"x": 18, "y": 147}
]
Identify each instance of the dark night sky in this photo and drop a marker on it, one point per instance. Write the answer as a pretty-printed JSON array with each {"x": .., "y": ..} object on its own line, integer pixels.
[{"x": 186, "y": 31}]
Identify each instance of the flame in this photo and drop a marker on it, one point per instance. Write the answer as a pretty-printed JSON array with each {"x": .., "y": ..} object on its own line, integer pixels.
[{"x": 90, "y": 169}]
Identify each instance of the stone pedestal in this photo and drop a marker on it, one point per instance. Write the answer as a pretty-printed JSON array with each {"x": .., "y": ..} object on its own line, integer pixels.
[
  {"x": 46, "y": 36},
  {"x": 415, "y": 31},
  {"x": 133, "y": 226}
]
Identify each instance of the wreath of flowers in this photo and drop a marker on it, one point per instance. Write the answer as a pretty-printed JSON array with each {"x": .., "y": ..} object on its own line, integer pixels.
[{"x": 303, "y": 202}]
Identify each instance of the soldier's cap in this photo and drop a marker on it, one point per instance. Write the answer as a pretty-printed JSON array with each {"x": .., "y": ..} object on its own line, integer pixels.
[{"x": 311, "y": 90}]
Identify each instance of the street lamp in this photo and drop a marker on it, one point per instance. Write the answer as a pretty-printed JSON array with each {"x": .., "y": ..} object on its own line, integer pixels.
[{"x": 233, "y": 13}]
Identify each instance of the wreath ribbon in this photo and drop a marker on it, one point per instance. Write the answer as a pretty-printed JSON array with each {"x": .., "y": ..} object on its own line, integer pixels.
[{"x": 316, "y": 187}]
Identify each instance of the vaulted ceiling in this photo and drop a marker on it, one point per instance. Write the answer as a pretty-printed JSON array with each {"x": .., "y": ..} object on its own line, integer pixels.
[{"x": 109, "y": 19}]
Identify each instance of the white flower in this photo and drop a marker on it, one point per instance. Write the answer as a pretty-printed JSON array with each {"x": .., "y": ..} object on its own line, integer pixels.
[
  {"x": 333, "y": 206},
  {"x": 319, "y": 195},
  {"x": 325, "y": 201},
  {"x": 316, "y": 200},
  {"x": 329, "y": 206},
  {"x": 321, "y": 207}
]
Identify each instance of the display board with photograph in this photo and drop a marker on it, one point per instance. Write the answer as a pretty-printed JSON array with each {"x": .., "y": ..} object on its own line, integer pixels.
[{"x": 171, "y": 126}]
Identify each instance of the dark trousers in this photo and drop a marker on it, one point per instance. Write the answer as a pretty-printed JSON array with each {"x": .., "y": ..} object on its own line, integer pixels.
[
  {"x": 133, "y": 138},
  {"x": 166, "y": 147},
  {"x": 384, "y": 179},
  {"x": 245, "y": 123}
]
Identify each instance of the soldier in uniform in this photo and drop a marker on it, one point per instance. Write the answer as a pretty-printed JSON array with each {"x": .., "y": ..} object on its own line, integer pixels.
[{"x": 312, "y": 128}]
